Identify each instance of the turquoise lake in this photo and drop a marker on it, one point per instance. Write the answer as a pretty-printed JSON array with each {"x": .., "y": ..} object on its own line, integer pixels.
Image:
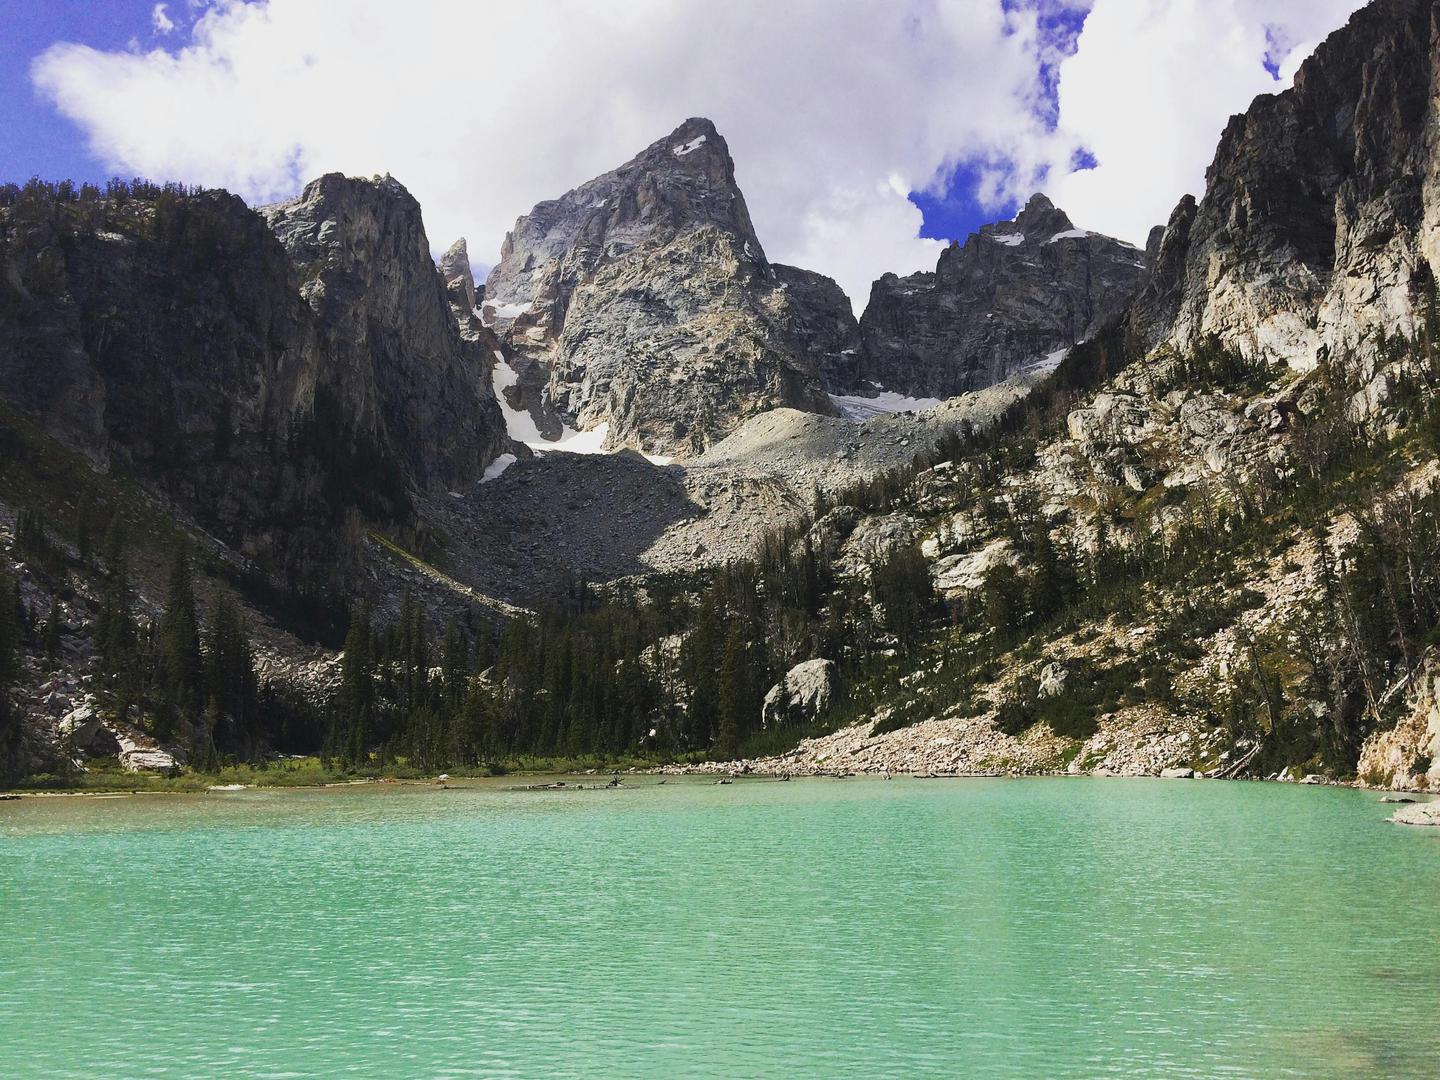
[{"x": 821, "y": 928}]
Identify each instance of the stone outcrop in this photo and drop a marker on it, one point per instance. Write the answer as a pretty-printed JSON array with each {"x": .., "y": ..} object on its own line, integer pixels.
[
  {"x": 1423, "y": 814},
  {"x": 459, "y": 278},
  {"x": 643, "y": 300},
  {"x": 1407, "y": 756},
  {"x": 1320, "y": 223},
  {"x": 391, "y": 352},
  {"x": 1013, "y": 294},
  {"x": 802, "y": 696}
]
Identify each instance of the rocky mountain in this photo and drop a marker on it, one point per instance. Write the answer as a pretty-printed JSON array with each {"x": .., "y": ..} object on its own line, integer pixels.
[
  {"x": 1173, "y": 553},
  {"x": 1011, "y": 295},
  {"x": 1320, "y": 224},
  {"x": 266, "y": 385},
  {"x": 389, "y": 347},
  {"x": 643, "y": 300}
]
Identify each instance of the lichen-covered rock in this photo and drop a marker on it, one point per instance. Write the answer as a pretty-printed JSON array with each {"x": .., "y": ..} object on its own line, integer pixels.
[
  {"x": 644, "y": 300},
  {"x": 1012, "y": 295},
  {"x": 1053, "y": 677},
  {"x": 1407, "y": 756},
  {"x": 956, "y": 575}
]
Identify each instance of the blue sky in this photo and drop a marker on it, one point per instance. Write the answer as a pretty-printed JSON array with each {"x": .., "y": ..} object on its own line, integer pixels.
[
  {"x": 956, "y": 211},
  {"x": 35, "y": 140}
]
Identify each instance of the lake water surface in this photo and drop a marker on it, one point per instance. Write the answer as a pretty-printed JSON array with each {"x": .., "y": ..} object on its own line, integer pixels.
[{"x": 821, "y": 928}]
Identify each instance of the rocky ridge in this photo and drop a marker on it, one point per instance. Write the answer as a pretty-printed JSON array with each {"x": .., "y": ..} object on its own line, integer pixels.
[
  {"x": 1320, "y": 225},
  {"x": 1011, "y": 295},
  {"x": 390, "y": 347}
]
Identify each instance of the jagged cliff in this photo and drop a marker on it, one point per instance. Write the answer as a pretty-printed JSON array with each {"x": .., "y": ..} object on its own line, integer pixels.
[
  {"x": 643, "y": 300},
  {"x": 1320, "y": 223},
  {"x": 266, "y": 387},
  {"x": 389, "y": 347},
  {"x": 1011, "y": 295}
]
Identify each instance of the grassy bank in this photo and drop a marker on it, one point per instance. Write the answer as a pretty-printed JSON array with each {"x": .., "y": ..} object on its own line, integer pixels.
[{"x": 105, "y": 774}]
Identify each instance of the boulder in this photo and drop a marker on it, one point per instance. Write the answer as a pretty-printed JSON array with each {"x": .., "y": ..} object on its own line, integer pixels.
[
  {"x": 1427, "y": 813},
  {"x": 802, "y": 696},
  {"x": 1053, "y": 677},
  {"x": 1177, "y": 774},
  {"x": 956, "y": 574},
  {"x": 140, "y": 759},
  {"x": 79, "y": 726}
]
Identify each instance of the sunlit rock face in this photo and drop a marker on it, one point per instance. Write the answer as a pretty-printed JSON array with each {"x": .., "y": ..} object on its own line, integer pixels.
[
  {"x": 1321, "y": 217},
  {"x": 644, "y": 300}
]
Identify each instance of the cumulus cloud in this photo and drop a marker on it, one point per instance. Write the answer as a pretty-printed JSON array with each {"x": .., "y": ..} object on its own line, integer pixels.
[
  {"x": 834, "y": 109},
  {"x": 160, "y": 20},
  {"x": 1150, "y": 86}
]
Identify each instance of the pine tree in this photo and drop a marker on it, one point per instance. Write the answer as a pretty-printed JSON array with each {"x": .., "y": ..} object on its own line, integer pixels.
[
  {"x": 52, "y": 633},
  {"x": 84, "y": 512},
  {"x": 116, "y": 635},
  {"x": 738, "y": 700},
  {"x": 356, "y": 700},
  {"x": 181, "y": 668},
  {"x": 10, "y": 633},
  {"x": 229, "y": 671}
]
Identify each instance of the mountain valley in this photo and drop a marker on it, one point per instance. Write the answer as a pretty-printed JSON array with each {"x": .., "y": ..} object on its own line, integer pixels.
[{"x": 275, "y": 483}]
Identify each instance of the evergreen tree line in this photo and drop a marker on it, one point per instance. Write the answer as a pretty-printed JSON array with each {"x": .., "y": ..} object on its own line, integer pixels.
[
  {"x": 407, "y": 695},
  {"x": 191, "y": 682},
  {"x": 12, "y": 630},
  {"x": 186, "y": 680}
]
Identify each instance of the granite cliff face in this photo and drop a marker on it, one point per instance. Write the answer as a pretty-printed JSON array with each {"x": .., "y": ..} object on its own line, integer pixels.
[
  {"x": 265, "y": 390},
  {"x": 163, "y": 334},
  {"x": 389, "y": 346},
  {"x": 1013, "y": 294},
  {"x": 1320, "y": 224},
  {"x": 644, "y": 300}
]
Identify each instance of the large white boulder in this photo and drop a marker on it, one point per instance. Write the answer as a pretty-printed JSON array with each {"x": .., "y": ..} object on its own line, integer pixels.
[
  {"x": 965, "y": 573},
  {"x": 803, "y": 695}
]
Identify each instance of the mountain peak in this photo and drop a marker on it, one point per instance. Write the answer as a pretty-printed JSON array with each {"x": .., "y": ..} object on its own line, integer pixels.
[{"x": 1041, "y": 216}]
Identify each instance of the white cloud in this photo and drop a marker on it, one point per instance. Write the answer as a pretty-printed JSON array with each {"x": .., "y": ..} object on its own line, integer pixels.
[
  {"x": 832, "y": 108},
  {"x": 1151, "y": 86},
  {"x": 160, "y": 20}
]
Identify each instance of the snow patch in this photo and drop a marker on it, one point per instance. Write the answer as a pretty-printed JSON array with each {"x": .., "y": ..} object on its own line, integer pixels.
[
  {"x": 856, "y": 407},
  {"x": 494, "y": 470},
  {"x": 491, "y": 313},
  {"x": 1009, "y": 239},
  {"x": 520, "y": 426},
  {"x": 689, "y": 147},
  {"x": 1046, "y": 364},
  {"x": 1069, "y": 234}
]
